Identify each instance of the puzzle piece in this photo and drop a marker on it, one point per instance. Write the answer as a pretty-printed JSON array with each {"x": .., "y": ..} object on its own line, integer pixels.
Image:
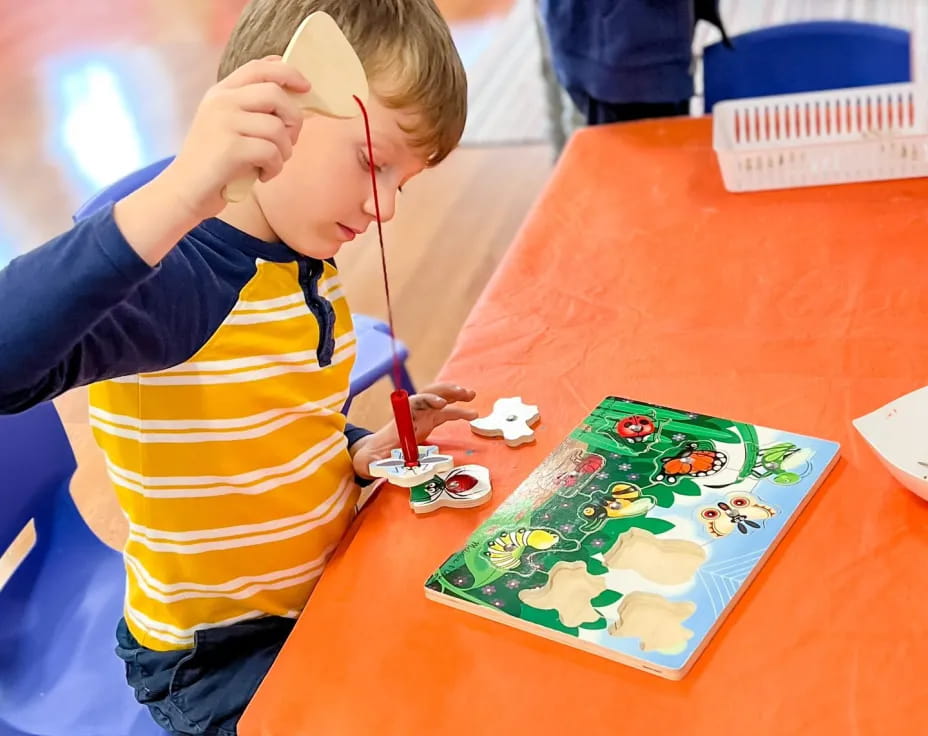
[
  {"x": 508, "y": 550},
  {"x": 741, "y": 510},
  {"x": 322, "y": 53},
  {"x": 569, "y": 589},
  {"x": 664, "y": 561},
  {"x": 463, "y": 487},
  {"x": 655, "y": 621},
  {"x": 394, "y": 469},
  {"x": 510, "y": 419}
]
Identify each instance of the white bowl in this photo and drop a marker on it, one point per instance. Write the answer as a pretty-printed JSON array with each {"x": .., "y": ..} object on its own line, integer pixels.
[{"x": 898, "y": 433}]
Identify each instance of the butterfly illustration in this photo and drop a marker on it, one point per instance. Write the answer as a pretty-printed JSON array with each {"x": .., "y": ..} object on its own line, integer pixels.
[
  {"x": 739, "y": 511},
  {"x": 691, "y": 462}
]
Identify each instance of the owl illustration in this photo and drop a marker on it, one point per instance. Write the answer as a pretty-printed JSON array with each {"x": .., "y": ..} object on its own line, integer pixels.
[{"x": 741, "y": 511}]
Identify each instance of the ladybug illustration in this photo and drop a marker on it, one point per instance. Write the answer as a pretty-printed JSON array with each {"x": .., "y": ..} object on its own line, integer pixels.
[
  {"x": 459, "y": 484},
  {"x": 591, "y": 463},
  {"x": 635, "y": 429},
  {"x": 584, "y": 465}
]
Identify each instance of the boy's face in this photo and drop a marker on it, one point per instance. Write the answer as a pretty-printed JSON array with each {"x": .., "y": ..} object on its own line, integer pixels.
[{"x": 323, "y": 196}]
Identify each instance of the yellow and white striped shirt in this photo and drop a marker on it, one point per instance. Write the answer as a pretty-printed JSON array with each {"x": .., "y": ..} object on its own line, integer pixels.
[{"x": 233, "y": 466}]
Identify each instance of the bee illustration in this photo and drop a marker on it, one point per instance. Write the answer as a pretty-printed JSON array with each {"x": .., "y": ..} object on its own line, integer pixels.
[
  {"x": 691, "y": 462},
  {"x": 506, "y": 551},
  {"x": 739, "y": 511},
  {"x": 622, "y": 501}
]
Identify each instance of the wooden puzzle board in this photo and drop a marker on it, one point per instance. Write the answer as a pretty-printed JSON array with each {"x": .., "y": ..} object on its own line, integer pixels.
[{"x": 639, "y": 532}]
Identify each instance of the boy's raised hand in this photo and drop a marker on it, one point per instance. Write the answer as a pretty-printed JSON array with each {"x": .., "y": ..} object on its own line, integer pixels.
[
  {"x": 245, "y": 122},
  {"x": 431, "y": 408}
]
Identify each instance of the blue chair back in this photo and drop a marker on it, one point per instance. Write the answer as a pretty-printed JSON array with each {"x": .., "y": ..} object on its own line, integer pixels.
[
  {"x": 59, "y": 609},
  {"x": 805, "y": 57},
  {"x": 120, "y": 189},
  {"x": 36, "y": 465}
]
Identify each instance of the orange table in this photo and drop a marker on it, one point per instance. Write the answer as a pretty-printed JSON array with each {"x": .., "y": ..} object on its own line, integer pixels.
[{"x": 637, "y": 274}]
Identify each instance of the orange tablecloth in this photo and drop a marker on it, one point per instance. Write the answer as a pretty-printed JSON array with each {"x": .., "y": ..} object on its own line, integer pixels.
[{"x": 637, "y": 274}]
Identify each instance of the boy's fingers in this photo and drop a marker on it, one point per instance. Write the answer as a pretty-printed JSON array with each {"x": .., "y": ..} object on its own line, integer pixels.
[
  {"x": 265, "y": 156},
  {"x": 269, "y": 128},
  {"x": 445, "y": 409},
  {"x": 450, "y": 391},
  {"x": 451, "y": 413},
  {"x": 423, "y": 401},
  {"x": 375, "y": 455},
  {"x": 268, "y": 98},
  {"x": 262, "y": 70}
]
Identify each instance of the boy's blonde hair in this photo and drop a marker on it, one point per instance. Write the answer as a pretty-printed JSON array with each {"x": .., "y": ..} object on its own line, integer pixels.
[{"x": 404, "y": 45}]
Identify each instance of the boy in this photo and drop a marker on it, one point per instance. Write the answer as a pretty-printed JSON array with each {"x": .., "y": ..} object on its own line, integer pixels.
[{"x": 219, "y": 346}]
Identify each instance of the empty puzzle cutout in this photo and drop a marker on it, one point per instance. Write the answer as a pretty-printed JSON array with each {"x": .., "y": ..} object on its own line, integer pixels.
[
  {"x": 655, "y": 621},
  {"x": 664, "y": 561},
  {"x": 569, "y": 590},
  {"x": 510, "y": 419}
]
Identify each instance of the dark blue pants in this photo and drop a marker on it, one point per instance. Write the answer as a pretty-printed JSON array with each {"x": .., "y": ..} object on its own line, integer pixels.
[
  {"x": 203, "y": 691},
  {"x": 598, "y": 112}
]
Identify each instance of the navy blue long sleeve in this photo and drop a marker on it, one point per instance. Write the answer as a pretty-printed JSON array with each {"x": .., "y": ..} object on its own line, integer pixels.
[
  {"x": 57, "y": 328},
  {"x": 84, "y": 307}
]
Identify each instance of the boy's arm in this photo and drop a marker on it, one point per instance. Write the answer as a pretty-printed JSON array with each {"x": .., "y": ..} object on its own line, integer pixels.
[
  {"x": 85, "y": 307},
  {"x": 355, "y": 433},
  {"x": 67, "y": 318},
  {"x": 53, "y": 299}
]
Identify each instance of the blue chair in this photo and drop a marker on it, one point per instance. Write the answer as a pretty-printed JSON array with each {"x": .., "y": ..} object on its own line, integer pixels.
[
  {"x": 805, "y": 57},
  {"x": 58, "y": 611},
  {"x": 375, "y": 357},
  {"x": 374, "y": 349}
]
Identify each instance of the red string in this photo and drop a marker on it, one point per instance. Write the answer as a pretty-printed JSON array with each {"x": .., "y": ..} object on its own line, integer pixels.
[
  {"x": 383, "y": 255},
  {"x": 399, "y": 398}
]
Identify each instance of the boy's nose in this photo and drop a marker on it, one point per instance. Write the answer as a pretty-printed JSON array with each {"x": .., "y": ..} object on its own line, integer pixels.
[{"x": 386, "y": 196}]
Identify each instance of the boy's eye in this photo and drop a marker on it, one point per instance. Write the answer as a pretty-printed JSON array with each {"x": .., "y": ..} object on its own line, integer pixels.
[{"x": 366, "y": 163}]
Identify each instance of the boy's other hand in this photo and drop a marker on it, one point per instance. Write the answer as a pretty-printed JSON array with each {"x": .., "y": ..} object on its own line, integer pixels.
[
  {"x": 245, "y": 122},
  {"x": 431, "y": 408}
]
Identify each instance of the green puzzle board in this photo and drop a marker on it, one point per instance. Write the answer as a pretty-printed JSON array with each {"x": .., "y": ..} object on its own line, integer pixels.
[{"x": 727, "y": 489}]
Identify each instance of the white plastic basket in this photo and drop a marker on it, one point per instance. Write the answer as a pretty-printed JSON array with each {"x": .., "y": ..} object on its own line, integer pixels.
[{"x": 816, "y": 138}]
